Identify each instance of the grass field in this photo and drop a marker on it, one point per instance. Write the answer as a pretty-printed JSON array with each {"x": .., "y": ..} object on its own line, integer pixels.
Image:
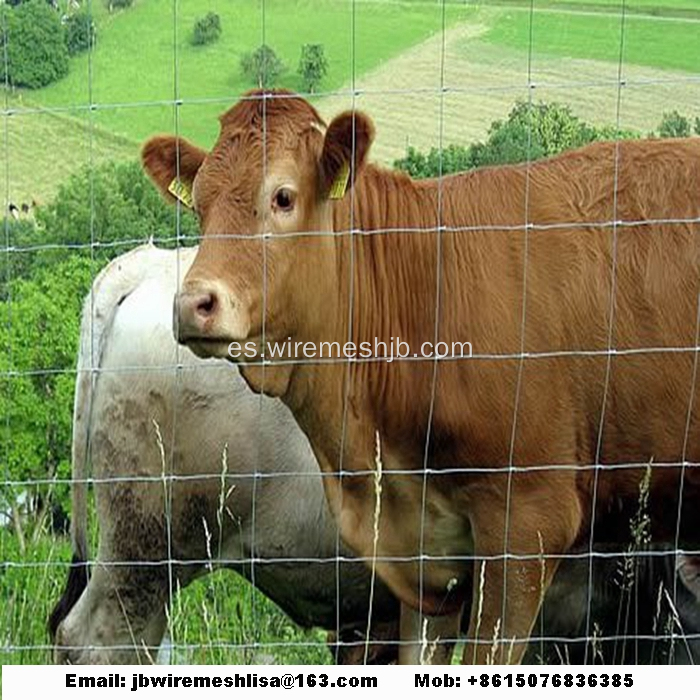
[
  {"x": 39, "y": 150},
  {"x": 219, "y": 619},
  {"x": 647, "y": 41},
  {"x": 144, "y": 58}
]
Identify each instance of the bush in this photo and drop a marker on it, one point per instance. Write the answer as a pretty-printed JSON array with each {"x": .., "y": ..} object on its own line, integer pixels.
[
  {"x": 313, "y": 66},
  {"x": 674, "y": 125},
  {"x": 80, "y": 32},
  {"x": 36, "y": 400},
  {"x": 35, "y": 45},
  {"x": 261, "y": 66},
  {"x": 207, "y": 29},
  {"x": 530, "y": 132},
  {"x": 455, "y": 159}
]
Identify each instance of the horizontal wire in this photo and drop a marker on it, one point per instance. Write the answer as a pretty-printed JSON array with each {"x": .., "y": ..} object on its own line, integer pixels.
[
  {"x": 345, "y": 559},
  {"x": 357, "y": 92}
]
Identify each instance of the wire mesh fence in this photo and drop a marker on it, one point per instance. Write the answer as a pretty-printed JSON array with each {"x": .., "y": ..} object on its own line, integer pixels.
[{"x": 161, "y": 473}]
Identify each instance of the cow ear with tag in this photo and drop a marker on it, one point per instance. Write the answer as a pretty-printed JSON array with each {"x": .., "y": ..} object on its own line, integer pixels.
[
  {"x": 345, "y": 148},
  {"x": 172, "y": 163}
]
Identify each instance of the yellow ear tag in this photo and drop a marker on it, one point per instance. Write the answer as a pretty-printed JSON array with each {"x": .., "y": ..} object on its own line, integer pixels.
[
  {"x": 341, "y": 182},
  {"x": 181, "y": 191}
]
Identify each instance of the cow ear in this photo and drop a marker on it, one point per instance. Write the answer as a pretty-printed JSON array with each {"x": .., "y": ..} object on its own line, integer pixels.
[
  {"x": 167, "y": 160},
  {"x": 345, "y": 149}
]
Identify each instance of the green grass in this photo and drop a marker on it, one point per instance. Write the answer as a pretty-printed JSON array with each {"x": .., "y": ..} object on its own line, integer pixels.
[
  {"x": 219, "y": 619},
  {"x": 40, "y": 150},
  {"x": 653, "y": 42},
  {"x": 657, "y": 7},
  {"x": 142, "y": 52}
]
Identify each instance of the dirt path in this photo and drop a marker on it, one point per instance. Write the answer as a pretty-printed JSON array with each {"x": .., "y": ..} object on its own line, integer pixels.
[{"x": 410, "y": 96}]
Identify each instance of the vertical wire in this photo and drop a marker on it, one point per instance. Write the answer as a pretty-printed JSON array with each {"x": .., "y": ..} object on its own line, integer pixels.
[
  {"x": 263, "y": 241},
  {"x": 438, "y": 308},
  {"x": 349, "y": 371},
  {"x": 4, "y": 14},
  {"x": 611, "y": 325},
  {"x": 94, "y": 370},
  {"x": 168, "y": 479},
  {"x": 523, "y": 319}
]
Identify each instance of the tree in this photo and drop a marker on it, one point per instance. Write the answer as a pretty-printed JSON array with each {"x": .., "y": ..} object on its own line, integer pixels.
[
  {"x": 674, "y": 125},
  {"x": 35, "y": 45},
  {"x": 313, "y": 66},
  {"x": 262, "y": 66},
  {"x": 80, "y": 32},
  {"x": 207, "y": 29},
  {"x": 530, "y": 132},
  {"x": 39, "y": 331},
  {"x": 98, "y": 213}
]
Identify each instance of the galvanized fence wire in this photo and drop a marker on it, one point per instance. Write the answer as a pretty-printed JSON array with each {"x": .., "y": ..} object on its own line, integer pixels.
[{"x": 256, "y": 561}]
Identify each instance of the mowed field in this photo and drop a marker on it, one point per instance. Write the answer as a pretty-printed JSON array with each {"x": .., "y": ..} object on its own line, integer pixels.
[
  {"x": 427, "y": 72},
  {"x": 451, "y": 88}
]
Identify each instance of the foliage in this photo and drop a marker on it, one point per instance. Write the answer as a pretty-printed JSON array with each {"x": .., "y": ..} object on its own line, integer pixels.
[
  {"x": 313, "y": 66},
  {"x": 207, "y": 29},
  {"x": 80, "y": 32},
  {"x": 39, "y": 330},
  {"x": 262, "y": 66},
  {"x": 453, "y": 159},
  {"x": 530, "y": 132},
  {"x": 35, "y": 45},
  {"x": 674, "y": 125},
  {"x": 107, "y": 210}
]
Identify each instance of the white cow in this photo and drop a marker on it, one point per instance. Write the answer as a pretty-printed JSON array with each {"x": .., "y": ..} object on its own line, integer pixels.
[{"x": 246, "y": 492}]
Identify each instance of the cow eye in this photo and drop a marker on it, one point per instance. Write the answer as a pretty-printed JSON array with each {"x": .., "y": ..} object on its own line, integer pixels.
[{"x": 284, "y": 199}]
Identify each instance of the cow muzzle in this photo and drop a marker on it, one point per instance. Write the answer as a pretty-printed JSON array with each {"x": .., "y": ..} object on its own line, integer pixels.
[{"x": 207, "y": 318}]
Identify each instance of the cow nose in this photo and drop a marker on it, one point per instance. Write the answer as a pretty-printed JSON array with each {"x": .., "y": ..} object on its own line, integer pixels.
[{"x": 194, "y": 313}]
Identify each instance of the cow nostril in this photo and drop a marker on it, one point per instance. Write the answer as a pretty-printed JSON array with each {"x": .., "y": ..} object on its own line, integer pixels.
[{"x": 206, "y": 304}]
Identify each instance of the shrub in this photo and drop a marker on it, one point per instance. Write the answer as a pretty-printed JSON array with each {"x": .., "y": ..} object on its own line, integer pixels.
[
  {"x": 80, "y": 32},
  {"x": 207, "y": 29},
  {"x": 261, "y": 66},
  {"x": 674, "y": 125},
  {"x": 35, "y": 44},
  {"x": 531, "y": 131},
  {"x": 313, "y": 65}
]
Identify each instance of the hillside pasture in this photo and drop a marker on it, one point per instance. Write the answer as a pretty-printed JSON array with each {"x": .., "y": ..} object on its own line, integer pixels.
[
  {"x": 450, "y": 89},
  {"x": 39, "y": 149}
]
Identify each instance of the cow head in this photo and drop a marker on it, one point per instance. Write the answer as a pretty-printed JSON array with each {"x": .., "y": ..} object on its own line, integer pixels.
[{"x": 263, "y": 199}]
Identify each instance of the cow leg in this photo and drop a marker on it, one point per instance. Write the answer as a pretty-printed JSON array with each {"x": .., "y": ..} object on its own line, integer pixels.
[
  {"x": 543, "y": 523},
  {"x": 429, "y": 642}
]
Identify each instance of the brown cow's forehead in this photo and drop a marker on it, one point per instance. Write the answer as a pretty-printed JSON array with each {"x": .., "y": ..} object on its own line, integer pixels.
[
  {"x": 274, "y": 112},
  {"x": 257, "y": 133}
]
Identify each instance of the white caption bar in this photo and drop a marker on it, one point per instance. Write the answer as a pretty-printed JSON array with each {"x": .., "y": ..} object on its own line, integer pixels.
[{"x": 263, "y": 682}]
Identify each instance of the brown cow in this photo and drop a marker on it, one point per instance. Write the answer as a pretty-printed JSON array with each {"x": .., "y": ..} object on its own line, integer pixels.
[{"x": 576, "y": 281}]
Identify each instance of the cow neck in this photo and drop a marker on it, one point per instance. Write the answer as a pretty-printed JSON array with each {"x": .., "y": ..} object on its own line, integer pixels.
[{"x": 386, "y": 289}]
